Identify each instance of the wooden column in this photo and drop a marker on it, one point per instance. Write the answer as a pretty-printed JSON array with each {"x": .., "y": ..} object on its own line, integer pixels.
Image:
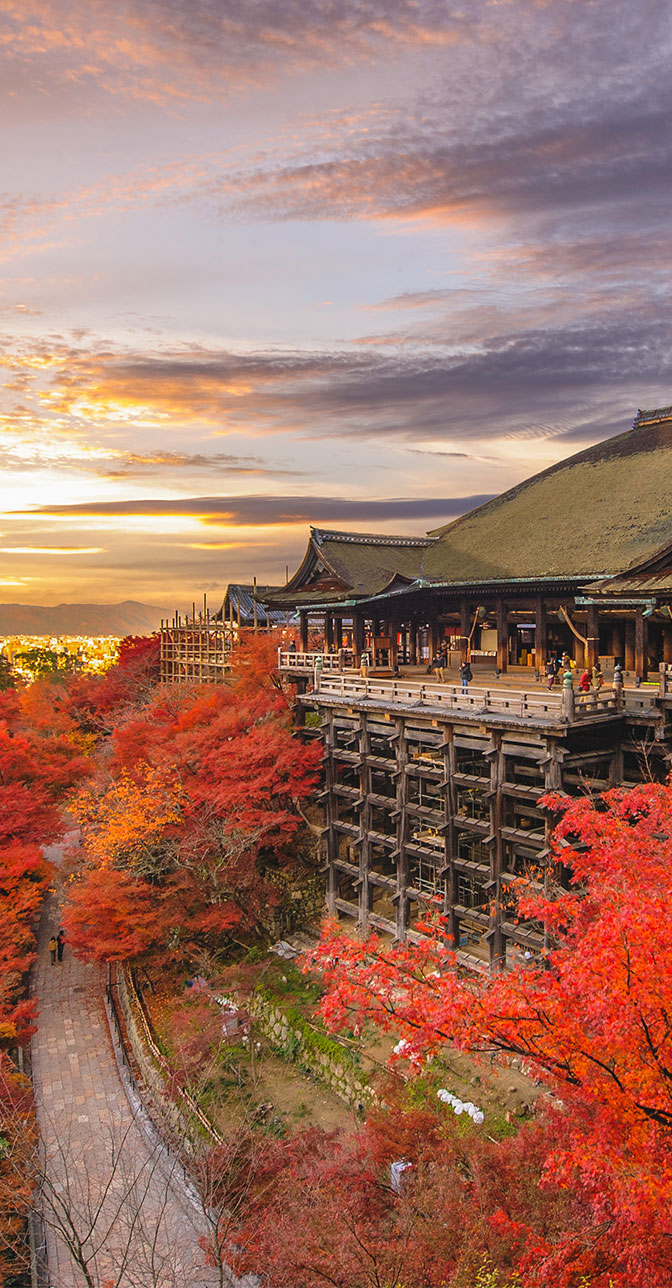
[
  {"x": 413, "y": 643},
  {"x": 434, "y": 644},
  {"x": 641, "y": 640},
  {"x": 364, "y": 829},
  {"x": 497, "y": 771},
  {"x": 629, "y": 646},
  {"x": 401, "y": 897},
  {"x": 540, "y": 633},
  {"x": 328, "y": 632},
  {"x": 552, "y": 763},
  {"x": 331, "y": 839},
  {"x": 448, "y": 873},
  {"x": 393, "y": 626},
  {"x": 303, "y": 619},
  {"x": 618, "y": 641},
  {"x": 592, "y": 637},
  {"x": 502, "y": 636},
  {"x": 667, "y": 643},
  {"x": 465, "y": 626},
  {"x": 357, "y": 636}
]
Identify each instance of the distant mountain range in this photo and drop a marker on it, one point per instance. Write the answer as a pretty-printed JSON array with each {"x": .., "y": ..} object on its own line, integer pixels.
[{"x": 127, "y": 618}]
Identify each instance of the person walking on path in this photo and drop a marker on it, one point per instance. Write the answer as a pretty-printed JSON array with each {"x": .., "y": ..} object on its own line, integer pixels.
[
  {"x": 53, "y": 949},
  {"x": 60, "y": 945}
]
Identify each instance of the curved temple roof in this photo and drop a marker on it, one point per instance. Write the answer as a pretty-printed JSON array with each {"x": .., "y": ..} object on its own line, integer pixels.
[
  {"x": 604, "y": 510},
  {"x": 601, "y": 512}
]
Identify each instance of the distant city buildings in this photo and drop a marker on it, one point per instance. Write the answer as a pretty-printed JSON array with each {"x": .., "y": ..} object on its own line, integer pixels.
[{"x": 33, "y": 655}]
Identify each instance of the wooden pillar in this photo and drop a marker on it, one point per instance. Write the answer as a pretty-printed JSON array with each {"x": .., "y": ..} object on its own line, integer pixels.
[
  {"x": 393, "y": 626},
  {"x": 434, "y": 645},
  {"x": 497, "y": 773},
  {"x": 641, "y": 640},
  {"x": 364, "y": 828},
  {"x": 303, "y": 619},
  {"x": 592, "y": 637},
  {"x": 401, "y": 897},
  {"x": 413, "y": 643},
  {"x": 540, "y": 633},
  {"x": 502, "y": 636},
  {"x": 328, "y": 632},
  {"x": 449, "y": 874},
  {"x": 329, "y": 736},
  {"x": 667, "y": 643},
  {"x": 629, "y": 646},
  {"x": 618, "y": 641},
  {"x": 552, "y": 763},
  {"x": 357, "y": 636},
  {"x": 465, "y": 625}
]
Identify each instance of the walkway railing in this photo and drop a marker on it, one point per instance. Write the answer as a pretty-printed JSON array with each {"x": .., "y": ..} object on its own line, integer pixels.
[
  {"x": 309, "y": 662},
  {"x": 526, "y": 704}
]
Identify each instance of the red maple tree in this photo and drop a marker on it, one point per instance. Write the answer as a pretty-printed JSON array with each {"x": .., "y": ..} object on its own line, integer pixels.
[
  {"x": 196, "y": 797},
  {"x": 592, "y": 1019}
]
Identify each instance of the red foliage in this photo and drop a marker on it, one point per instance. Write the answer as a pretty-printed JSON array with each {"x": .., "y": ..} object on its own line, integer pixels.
[
  {"x": 97, "y": 702},
  {"x": 111, "y": 916},
  {"x": 323, "y": 1209},
  {"x": 592, "y": 1019},
  {"x": 18, "y": 1136},
  {"x": 203, "y": 794}
]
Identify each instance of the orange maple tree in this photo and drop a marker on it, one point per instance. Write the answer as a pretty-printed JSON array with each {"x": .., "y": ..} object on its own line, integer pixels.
[{"x": 196, "y": 800}]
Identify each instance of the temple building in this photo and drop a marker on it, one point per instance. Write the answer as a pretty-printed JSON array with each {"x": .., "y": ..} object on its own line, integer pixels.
[
  {"x": 577, "y": 559},
  {"x": 431, "y": 787}
]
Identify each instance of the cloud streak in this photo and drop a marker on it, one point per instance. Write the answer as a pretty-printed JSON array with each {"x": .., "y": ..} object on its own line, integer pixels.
[{"x": 265, "y": 511}]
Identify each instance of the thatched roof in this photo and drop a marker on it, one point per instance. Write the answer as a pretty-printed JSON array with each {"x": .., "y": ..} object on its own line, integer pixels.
[
  {"x": 341, "y": 565},
  {"x": 600, "y": 512}
]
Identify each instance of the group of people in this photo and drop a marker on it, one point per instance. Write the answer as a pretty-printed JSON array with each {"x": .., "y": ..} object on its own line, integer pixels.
[
  {"x": 441, "y": 661},
  {"x": 56, "y": 946},
  {"x": 591, "y": 679}
]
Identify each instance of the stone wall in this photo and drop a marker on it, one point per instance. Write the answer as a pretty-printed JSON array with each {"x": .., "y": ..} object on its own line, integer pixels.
[
  {"x": 177, "y": 1120},
  {"x": 325, "y": 1058},
  {"x": 303, "y": 901}
]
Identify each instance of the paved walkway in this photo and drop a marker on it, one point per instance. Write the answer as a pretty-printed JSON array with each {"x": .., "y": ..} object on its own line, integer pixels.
[{"x": 111, "y": 1190}]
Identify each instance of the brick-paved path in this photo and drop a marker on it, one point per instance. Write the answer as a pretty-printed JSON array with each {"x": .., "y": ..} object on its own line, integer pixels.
[{"x": 103, "y": 1166}]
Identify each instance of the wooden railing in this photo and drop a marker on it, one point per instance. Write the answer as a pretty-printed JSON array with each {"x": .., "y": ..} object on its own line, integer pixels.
[
  {"x": 525, "y": 703},
  {"x": 451, "y": 696},
  {"x": 309, "y": 662}
]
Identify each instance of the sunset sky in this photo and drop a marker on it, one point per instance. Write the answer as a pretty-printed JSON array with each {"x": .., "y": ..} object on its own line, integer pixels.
[{"x": 360, "y": 263}]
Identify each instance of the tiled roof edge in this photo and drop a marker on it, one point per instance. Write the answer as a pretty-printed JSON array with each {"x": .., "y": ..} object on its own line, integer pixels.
[
  {"x": 652, "y": 417},
  {"x": 368, "y": 538}
]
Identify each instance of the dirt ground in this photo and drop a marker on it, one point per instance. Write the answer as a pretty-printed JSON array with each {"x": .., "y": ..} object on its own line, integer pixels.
[
  {"x": 284, "y": 1100},
  {"x": 275, "y": 1093}
]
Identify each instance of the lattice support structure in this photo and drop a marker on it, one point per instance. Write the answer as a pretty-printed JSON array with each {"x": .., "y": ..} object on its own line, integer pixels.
[{"x": 195, "y": 650}]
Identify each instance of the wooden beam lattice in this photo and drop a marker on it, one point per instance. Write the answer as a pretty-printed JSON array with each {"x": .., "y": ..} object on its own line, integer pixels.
[{"x": 195, "y": 650}]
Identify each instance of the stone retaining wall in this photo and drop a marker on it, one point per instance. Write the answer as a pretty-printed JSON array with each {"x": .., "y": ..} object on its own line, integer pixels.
[
  {"x": 323, "y": 1057},
  {"x": 174, "y": 1120}
]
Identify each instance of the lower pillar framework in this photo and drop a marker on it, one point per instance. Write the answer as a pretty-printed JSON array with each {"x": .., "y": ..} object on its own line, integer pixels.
[{"x": 442, "y": 811}]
